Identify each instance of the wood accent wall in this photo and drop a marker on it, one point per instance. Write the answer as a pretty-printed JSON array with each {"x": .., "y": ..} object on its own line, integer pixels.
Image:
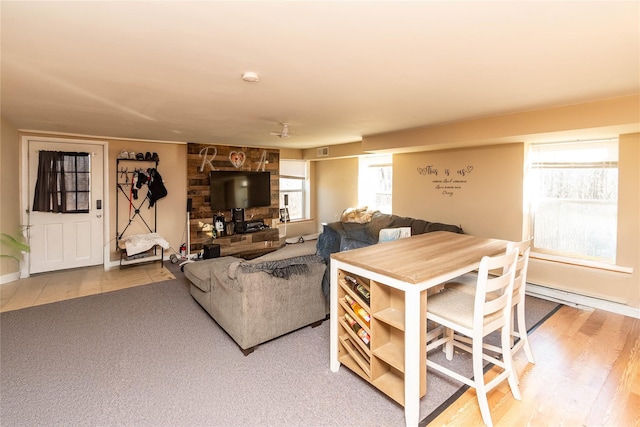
[{"x": 200, "y": 160}]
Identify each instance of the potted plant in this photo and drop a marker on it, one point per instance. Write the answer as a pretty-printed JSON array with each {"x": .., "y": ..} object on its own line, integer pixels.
[{"x": 15, "y": 247}]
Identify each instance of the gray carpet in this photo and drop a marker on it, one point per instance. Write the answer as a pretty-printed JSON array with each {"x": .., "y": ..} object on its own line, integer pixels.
[{"x": 150, "y": 356}]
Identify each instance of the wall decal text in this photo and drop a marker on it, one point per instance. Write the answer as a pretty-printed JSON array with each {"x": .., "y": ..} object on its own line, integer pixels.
[{"x": 446, "y": 181}]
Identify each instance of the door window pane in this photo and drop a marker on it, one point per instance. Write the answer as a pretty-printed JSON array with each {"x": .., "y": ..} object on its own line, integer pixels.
[{"x": 77, "y": 183}]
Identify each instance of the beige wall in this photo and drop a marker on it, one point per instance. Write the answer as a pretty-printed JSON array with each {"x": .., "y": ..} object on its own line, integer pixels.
[
  {"x": 336, "y": 188},
  {"x": 479, "y": 189},
  {"x": 490, "y": 202},
  {"x": 415, "y": 194},
  {"x": 9, "y": 191},
  {"x": 335, "y": 151},
  {"x": 598, "y": 119}
]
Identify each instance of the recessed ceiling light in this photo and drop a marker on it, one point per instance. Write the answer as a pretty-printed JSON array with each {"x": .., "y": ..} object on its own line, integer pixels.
[{"x": 251, "y": 77}]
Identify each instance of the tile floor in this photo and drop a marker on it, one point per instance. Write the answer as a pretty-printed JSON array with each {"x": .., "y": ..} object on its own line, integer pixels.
[{"x": 56, "y": 286}]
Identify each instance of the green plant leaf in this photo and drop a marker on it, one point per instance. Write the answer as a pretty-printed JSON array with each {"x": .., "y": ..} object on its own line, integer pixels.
[{"x": 12, "y": 243}]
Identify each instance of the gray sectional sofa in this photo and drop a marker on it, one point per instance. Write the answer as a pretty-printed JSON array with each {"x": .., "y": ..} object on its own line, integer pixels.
[{"x": 261, "y": 299}]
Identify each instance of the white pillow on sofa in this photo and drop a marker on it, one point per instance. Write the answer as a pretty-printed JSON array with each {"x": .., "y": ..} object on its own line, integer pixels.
[{"x": 389, "y": 234}]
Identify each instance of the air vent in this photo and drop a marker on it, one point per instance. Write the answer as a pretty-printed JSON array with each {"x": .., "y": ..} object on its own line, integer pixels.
[{"x": 323, "y": 151}]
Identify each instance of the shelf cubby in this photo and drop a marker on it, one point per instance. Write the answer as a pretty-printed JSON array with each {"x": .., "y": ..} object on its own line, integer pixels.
[
  {"x": 392, "y": 384},
  {"x": 382, "y": 363},
  {"x": 357, "y": 354},
  {"x": 389, "y": 347},
  {"x": 352, "y": 351}
]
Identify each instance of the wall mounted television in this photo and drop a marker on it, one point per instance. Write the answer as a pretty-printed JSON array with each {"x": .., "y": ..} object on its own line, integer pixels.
[{"x": 239, "y": 189}]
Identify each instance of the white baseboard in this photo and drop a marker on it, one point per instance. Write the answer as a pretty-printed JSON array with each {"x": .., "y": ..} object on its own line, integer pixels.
[
  {"x": 581, "y": 301},
  {"x": 8, "y": 278},
  {"x": 111, "y": 264}
]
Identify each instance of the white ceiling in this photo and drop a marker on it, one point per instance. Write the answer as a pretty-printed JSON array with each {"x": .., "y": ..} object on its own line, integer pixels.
[{"x": 335, "y": 71}]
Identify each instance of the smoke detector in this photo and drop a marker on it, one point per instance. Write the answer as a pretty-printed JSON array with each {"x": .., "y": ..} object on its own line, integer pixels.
[{"x": 251, "y": 77}]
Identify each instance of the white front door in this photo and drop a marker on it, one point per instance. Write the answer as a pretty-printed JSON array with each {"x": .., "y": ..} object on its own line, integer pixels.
[{"x": 66, "y": 240}]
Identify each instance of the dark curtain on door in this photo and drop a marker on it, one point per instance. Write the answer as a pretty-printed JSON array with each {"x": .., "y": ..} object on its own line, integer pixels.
[{"x": 62, "y": 178}]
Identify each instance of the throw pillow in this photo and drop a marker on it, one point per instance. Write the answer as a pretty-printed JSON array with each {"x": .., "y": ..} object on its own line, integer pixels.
[{"x": 389, "y": 234}]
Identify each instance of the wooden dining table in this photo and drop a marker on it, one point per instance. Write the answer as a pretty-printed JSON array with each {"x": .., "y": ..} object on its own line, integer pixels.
[{"x": 412, "y": 265}]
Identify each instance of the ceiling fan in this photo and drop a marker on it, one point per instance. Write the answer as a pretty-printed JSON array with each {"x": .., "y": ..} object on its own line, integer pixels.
[{"x": 284, "y": 132}]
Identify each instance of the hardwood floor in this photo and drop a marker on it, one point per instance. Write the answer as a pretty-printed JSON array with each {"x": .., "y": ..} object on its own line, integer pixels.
[
  {"x": 45, "y": 288},
  {"x": 587, "y": 373}
]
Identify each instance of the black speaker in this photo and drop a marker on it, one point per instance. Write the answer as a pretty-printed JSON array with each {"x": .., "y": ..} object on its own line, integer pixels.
[
  {"x": 211, "y": 251},
  {"x": 237, "y": 214},
  {"x": 188, "y": 205}
]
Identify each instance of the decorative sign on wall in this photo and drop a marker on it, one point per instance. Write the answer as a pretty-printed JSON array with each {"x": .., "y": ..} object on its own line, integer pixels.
[
  {"x": 237, "y": 158},
  {"x": 263, "y": 161},
  {"x": 208, "y": 158},
  {"x": 446, "y": 181}
]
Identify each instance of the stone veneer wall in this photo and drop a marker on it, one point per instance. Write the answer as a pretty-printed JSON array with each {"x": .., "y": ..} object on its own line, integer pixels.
[{"x": 201, "y": 158}]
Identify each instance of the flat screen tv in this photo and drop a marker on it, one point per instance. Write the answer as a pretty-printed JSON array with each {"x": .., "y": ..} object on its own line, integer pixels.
[{"x": 239, "y": 189}]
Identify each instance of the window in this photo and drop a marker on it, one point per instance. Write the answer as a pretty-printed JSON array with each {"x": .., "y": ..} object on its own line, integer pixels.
[
  {"x": 574, "y": 198},
  {"x": 76, "y": 178},
  {"x": 375, "y": 182},
  {"x": 63, "y": 182},
  {"x": 293, "y": 183}
]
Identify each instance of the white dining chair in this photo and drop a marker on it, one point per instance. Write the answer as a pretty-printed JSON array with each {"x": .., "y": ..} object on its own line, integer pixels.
[
  {"x": 467, "y": 284},
  {"x": 476, "y": 316}
]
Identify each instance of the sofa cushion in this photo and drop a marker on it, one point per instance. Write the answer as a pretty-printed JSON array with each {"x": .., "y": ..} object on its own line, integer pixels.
[
  {"x": 347, "y": 244},
  {"x": 356, "y": 232},
  {"x": 402, "y": 221},
  {"x": 419, "y": 226},
  {"x": 289, "y": 251},
  {"x": 199, "y": 272},
  {"x": 328, "y": 241},
  {"x": 378, "y": 222},
  {"x": 438, "y": 226}
]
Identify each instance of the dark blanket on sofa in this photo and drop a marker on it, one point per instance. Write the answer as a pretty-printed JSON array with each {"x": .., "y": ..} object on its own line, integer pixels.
[
  {"x": 284, "y": 268},
  {"x": 342, "y": 236}
]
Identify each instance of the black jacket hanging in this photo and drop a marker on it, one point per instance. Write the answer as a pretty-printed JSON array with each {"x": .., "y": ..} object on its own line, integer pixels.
[{"x": 157, "y": 190}]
